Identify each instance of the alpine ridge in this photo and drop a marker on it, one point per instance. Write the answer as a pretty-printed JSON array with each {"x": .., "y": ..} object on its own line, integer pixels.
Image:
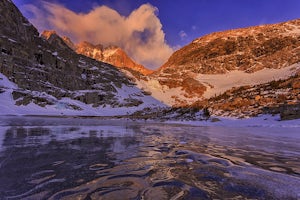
[
  {"x": 113, "y": 55},
  {"x": 217, "y": 62},
  {"x": 39, "y": 75}
]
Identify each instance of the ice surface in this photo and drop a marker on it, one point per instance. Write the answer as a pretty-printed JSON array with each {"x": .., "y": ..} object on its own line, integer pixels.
[{"x": 121, "y": 157}]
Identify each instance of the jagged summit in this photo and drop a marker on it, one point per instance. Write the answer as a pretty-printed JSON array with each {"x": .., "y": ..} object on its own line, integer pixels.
[
  {"x": 47, "y": 34},
  {"x": 53, "y": 38},
  {"x": 112, "y": 54}
]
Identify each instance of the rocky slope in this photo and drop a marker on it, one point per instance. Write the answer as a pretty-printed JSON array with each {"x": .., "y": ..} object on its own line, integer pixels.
[
  {"x": 248, "y": 49},
  {"x": 48, "y": 73},
  {"x": 112, "y": 54},
  {"x": 275, "y": 97},
  {"x": 212, "y": 64}
]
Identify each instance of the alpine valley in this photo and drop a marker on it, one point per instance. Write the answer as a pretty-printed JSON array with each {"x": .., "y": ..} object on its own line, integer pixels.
[{"x": 237, "y": 73}]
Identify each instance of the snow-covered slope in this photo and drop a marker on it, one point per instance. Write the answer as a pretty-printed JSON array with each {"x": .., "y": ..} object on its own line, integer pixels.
[
  {"x": 67, "y": 106},
  {"x": 215, "y": 84}
]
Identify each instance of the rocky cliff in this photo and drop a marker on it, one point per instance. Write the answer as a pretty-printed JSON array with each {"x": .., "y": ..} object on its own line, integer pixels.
[
  {"x": 47, "y": 72},
  {"x": 112, "y": 54}
]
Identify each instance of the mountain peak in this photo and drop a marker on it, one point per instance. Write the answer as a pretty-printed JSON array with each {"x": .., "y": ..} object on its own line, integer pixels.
[
  {"x": 219, "y": 61},
  {"x": 246, "y": 49},
  {"x": 47, "y": 34},
  {"x": 53, "y": 38},
  {"x": 112, "y": 54}
]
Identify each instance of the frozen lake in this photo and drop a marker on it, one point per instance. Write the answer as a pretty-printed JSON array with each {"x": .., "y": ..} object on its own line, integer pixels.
[{"x": 64, "y": 158}]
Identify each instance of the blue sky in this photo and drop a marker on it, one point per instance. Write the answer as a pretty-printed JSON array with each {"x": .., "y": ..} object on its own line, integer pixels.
[{"x": 185, "y": 20}]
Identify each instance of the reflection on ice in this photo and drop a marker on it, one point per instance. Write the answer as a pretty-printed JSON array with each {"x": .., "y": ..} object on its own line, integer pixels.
[{"x": 50, "y": 158}]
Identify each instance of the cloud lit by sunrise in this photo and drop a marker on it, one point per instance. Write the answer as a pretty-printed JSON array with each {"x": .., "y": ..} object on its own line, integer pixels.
[{"x": 140, "y": 34}]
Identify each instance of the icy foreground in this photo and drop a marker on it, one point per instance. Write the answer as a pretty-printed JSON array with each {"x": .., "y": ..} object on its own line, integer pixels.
[{"x": 67, "y": 158}]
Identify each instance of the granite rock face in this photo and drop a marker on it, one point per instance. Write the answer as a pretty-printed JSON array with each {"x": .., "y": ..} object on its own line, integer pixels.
[
  {"x": 48, "y": 66},
  {"x": 14, "y": 25}
]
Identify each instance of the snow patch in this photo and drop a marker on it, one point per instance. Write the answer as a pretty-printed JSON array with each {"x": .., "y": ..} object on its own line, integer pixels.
[
  {"x": 11, "y": 40},
  {"x": 5, "y": 83},
  {"x": 83, "y": 76},
  {"x": 27, "y": 24},
  {"x": 218, "y": 83},
  {"x": 134, "y": 92},
  {"x": 94, "y": 68},
  {"x": 161, "y": 92}
]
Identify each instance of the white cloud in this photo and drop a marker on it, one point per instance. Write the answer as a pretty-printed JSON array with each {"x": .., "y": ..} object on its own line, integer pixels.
[
  {"x": 140, "y": 34},
  {"x": 182, "y": 35}
]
